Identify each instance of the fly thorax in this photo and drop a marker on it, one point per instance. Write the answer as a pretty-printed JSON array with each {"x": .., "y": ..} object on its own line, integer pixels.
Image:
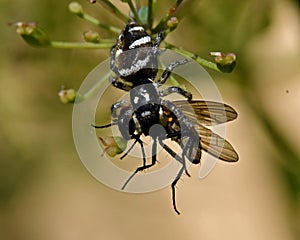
[
  {"x": 143, "y": 95},
  {"x": 147, "y": 116}
]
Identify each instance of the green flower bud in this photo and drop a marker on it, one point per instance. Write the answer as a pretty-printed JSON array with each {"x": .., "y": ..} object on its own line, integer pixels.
[
  {"x": 32, "y": 34},
  {"x": 67, "y": 95},
  {"x": 226, "y": 62},
  {"x": 172, "y": 23},
  {"x": 76, "y": 8},
  {"x": 113, "y": 145},
  {"x": 91, "y": 36}
]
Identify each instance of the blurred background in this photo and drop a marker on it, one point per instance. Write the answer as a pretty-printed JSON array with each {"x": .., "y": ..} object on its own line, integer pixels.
[{"x": 45, "y": 191}]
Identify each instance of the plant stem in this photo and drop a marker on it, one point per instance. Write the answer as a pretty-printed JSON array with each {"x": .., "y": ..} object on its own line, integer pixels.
[
  {"x": 96, "y": 22},
  {"x": 203, "y": 62},
  {"x": 208, "y": 64},
  {"x": 133, "y": 10},
  {"x": 162, "y": 25},
  {"x": 113, "y": 9},
  {"x": 93, "y": 89},
  {"x": 178, "y": 2},
  {"x": 150, "y": 14},
  {"x": 81, "y": 45}
]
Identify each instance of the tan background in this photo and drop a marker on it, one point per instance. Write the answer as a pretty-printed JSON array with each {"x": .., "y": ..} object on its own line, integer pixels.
[{"x": 46, "y": 193}]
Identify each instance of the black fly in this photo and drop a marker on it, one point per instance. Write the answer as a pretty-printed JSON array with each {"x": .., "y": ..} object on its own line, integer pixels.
[{"x": 134, "y": 60}]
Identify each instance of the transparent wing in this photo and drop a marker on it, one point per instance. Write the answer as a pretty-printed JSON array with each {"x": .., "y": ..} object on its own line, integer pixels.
[
  {"x": 216, "y": 145},
  {"x": 206, "y": 112}
]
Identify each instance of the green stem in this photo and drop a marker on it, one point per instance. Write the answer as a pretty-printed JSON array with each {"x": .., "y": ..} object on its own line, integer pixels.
[
  {"x": 208, "y": 64},
  {"x": 96, "y": 22},
  {"x": 80, "y": 45},
  {"x": 162, "y": 25},
  {"x": 113, "y": 9},
  {"x": 150, "y": 14},
  {"x": 178, "y": 2},
  {"x": 133, "y": 10},
  {"x": 137, "y": 4},
  {"x": 93, "y": 89},
  {"x": 203, "y": 62}
]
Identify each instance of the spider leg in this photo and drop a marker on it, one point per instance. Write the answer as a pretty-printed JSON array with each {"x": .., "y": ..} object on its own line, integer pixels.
[
  {"x": 166, "y": 74},
  {"x": 112, "y": 59},
  {"x": 169, "y": 90},
  {"x": 116, "y": 82},
  {"x": 159, "y": 38},
  {"x": 113, "y": 109},
  {"x": 117, "y": 105}
]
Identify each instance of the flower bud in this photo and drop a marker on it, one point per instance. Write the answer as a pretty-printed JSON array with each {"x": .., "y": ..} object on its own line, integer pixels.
[
  {"x": 113, "y": 145},
  {"x": 172, "y": 23},
  {"x": 32, "y": 34},
  {"x": 76, "y": 8},
  {"x": 225, "y": 61},
  {"x": 67, "y": 95},
  {"x": 91, "y": 36}
]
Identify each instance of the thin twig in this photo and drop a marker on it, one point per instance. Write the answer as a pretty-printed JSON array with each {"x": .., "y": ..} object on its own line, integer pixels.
[
  {"x": 81, "y": 45},
  {"x": 203, "y": 62},
  {"x": 113, "y": 9},
  {"x": 96, "y": 22},
  {"x": 94, "y": 89},
  {"x": 150, "y": 14},
  {"x": 134, "y": 12}
]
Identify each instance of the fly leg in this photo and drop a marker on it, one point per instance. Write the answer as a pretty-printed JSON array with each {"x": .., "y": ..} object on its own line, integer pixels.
[
  {"x": 145, "y": 166},
  {"x": 179, "y": 174},
  {"x": 173, "y": 188},
  {"x": 142, "y": 148}
]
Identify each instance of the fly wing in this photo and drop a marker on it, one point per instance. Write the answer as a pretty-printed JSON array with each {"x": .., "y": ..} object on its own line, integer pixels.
[
  {"x": 206, "y": 112},
  {"x": 216, "y": 145}
]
